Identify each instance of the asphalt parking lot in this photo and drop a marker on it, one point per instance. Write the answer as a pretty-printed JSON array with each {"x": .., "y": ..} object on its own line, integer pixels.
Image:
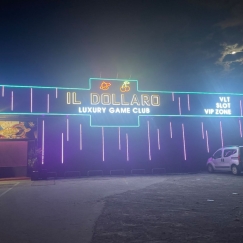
[{"x": 167, "y": 208}]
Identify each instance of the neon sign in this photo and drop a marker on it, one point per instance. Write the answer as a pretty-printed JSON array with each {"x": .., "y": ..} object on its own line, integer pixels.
[
  {"x": 223, "y": 107},
  {"x": 116, "y": 102}
]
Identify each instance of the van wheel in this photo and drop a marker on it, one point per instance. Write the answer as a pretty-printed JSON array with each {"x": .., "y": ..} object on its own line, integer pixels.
[
  {"x": 235, "y": 170},
  {"x": 210, "y": 169}
]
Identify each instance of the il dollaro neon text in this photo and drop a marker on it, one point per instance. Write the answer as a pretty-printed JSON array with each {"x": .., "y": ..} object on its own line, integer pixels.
[{"x": 116, "y": 100}]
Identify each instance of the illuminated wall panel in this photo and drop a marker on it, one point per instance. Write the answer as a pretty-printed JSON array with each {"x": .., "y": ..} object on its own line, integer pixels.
[
  {"x": 221, "y": 134},
  {"x": 240, "y": 128},
  {"x": 149, "y": 144},
  {"x": 207, "y": 141},
  {"x": 103, "y": 144},
  {"x": 127, "y": 147},
  {"x": 184, "y": 141},
  {"x": 80, "y": 138},
  {"x": 43, "y": 142}
]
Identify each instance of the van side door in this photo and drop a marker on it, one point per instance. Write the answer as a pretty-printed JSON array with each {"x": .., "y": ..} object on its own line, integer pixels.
[{"x": 230, "y": 156}]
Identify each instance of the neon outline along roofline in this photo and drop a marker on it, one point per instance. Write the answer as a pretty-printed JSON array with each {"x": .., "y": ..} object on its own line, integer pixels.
[{"x": 107, "y": 79}]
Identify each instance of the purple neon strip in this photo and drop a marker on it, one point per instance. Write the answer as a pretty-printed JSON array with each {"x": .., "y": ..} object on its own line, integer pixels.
[
  {"x": 173, "y": 97},
  {"x": 179, "y": 100},
  {"x": 127, "y": 147},
  {"x": 221, "y": 134},
  {"x": 188, "y": 102},
  {"x": 170, "y": 130},
  {"x": 12, "y": 101},
  {"x": 184, "y": 142},
  {"x": 202, "y": 131},
  {"x": 67, "y": 129},
  {"x": 119, "y": 138},
  {"x": 149, "y": 141},
  {"x": 103, "y": 144},
  {"x": 2, "y": 91},
  {"x": 158, "y": 139},
  {"x": 81, "y": 138},
  {"x": 48, "y": 106},
  {"x": 240, "y": 128},
  {"x": 43, "y": 143},
  {"x": 62, "y": 157},
  {"x": 240, "y": 107},
  {"x": 207, "y": 141},
  {"x": 31, "y": 100}
]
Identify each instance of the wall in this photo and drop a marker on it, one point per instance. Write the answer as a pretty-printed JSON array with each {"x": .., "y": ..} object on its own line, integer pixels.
[{"x": 170, "y": 155}]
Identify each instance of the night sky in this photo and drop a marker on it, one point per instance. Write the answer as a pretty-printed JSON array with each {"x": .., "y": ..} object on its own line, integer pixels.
[{"x": 167, "y": 45}]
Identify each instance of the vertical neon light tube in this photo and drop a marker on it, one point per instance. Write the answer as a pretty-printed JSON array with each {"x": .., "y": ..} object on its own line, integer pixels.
[
  {"x": 149, "y": 141},
  {"x": 2, "y": 91},
  {"x": 202, "y": 131},
  {"x": 48, "y": 106},
  {"x": 56, "y": 93},
  {"x": 103, "y": 144},
  {"x": 170, "y": 130},
  {"x": 188, "y": 102},
  {"x": 207, "y": 141},
  {"x": 67, "y": 129},
  {"x": 221, "y": 134},
  {"x": 12, "y": 101},
  {"x": 173, "y": 97},
  {"x": 158, "y": 139},
  {"x": 184, "y": 142},
  {"x": 62, "y": 150},
  {"x": 240, "y": 128},
  {"x": 240, "y": 107},
  {"x": 43, "y": 142},
  {"x": 179, "y": 100},
  {"x": 31, "y": 99},
  {"x": 80, "y": 141},
  {"x": 127, "y": 147},
  {"x": 119, "y": 137}
]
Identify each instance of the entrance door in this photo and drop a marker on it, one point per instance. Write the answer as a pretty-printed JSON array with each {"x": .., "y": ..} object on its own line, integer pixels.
[{"x": 13, "y": 158}]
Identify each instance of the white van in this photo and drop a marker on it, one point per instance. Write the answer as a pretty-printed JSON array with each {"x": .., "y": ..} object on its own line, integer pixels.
[{"x": 228, "y": 158}]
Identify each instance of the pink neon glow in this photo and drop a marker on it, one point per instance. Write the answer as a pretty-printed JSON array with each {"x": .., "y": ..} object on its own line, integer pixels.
[
  {"x": 240, "y": 128},
  {"x": 56, "y": 93},
  {"x": 103, "y": 144},
  {"x": 127, "y": 147},
  {"x": 48, "y": 106},
  {"x": 119, "y": 137},
  {"x": 149, "y": 141},
  {"x": 31, "y": 99},
  {"x": 173, "y": 97},
  {"x": 221, "y": 134},
  {"x": 67, "y": 129},
  {"x": 12, "y": 101},
  {"x": 240, "y": 108},
  {"x": 184, "y": 142},
  {"x": 80, "y": 142},
  {"x": 179, "y": 99},
  {"x": 170, "y": 130},
  {"x": 188, "y": 102},
  {"x": 207, "y": 141},
  {"x": 62, "y": 150},
  {"x": 158, "y": 139},
  {"x": 2, "y": 91},
  {"x": 202, "y": 131},
  {"x": 43, "y": 142}
]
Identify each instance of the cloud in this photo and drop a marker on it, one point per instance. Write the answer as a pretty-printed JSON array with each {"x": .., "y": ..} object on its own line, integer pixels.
[{"x": 231, "y": 50}]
